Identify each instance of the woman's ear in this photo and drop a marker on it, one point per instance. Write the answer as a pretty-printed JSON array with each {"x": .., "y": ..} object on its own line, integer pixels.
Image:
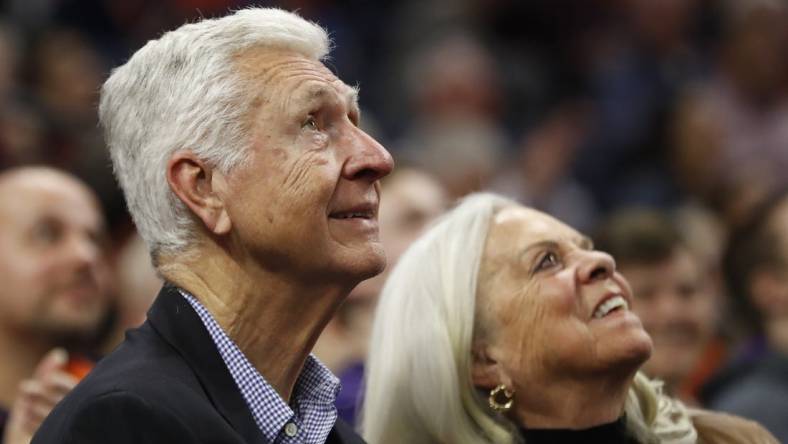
[
  {"x": 199, "y": 187},
  {"x": 486, "y": 372}
]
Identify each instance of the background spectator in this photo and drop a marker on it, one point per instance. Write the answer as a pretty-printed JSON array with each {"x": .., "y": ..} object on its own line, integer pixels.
[
  {"x": 638, "y": 102},
  {"x": 675, "y": 297},
  {"x": 755, "y": 384},
  {"x": 732, "y": 130},
  {"x": 54, "y": 293}
]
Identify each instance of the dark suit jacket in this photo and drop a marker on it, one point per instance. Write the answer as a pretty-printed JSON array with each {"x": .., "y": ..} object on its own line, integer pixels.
[{"x": 166, "y": 383}]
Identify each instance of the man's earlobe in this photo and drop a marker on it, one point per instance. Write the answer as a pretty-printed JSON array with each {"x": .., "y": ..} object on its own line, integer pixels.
[
  {"x": 195, "y": 183},
  {"x": 223, "y": 223}
]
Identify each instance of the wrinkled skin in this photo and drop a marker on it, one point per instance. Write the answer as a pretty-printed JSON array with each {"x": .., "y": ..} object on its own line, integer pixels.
[
  {"x": 540, "y": 282},
  {"x": 310, "y": 163}
]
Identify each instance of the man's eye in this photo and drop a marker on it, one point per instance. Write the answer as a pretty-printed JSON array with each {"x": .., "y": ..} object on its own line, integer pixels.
[
  {"x": 310, "y": 123},
  {"x": 687, "y": 290},
  {"x": 46, "y": 233},
  {"x": 548, "y": 260}
]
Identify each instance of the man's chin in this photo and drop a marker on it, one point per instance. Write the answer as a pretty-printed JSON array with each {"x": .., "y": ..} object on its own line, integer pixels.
[
  {"x": 370, "y": 267},
  {"x": 73, "y": 328},
  {"x": 365, "y": 265}
]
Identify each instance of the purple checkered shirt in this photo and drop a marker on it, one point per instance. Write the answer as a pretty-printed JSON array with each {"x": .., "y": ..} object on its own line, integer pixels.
[{"x": 312, "y": 414}]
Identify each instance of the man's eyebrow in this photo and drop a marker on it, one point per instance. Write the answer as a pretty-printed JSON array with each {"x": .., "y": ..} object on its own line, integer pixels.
[{"x": 319, "y": 92}]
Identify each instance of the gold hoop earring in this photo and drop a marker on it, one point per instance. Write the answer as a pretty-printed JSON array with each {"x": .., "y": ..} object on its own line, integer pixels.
[{"x": 501, "y": 405}]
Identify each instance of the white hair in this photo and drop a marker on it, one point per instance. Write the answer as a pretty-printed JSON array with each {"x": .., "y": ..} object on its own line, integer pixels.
[
  {"x": 418, "y": 375},
  {"x": 183, "y": 92}
]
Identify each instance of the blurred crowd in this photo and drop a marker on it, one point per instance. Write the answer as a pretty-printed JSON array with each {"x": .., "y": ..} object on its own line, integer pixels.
[
  {"x": 576, "y": 107},
  {"x": 659, "y": 127}
]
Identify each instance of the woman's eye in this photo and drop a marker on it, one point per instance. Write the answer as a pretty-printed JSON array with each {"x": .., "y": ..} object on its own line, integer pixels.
[
  {"x": 548, "y": 260},
  {"x": 310, "y": 123}
]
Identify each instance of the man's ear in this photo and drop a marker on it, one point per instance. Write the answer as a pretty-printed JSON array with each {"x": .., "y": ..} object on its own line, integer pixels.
[
  {"x": 200, "y": 188},
  {"x": 486, "y": 372}
]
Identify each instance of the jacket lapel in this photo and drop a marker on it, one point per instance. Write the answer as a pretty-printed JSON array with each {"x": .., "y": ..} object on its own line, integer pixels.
[{"x": 177, "y": 322}]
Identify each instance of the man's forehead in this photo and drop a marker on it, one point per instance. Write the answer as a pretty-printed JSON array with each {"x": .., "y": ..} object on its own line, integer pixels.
[
  {"x": 57, "y": 199},
  {"x": 293, "y": 77},
  {"x": 268, "y": 66}
]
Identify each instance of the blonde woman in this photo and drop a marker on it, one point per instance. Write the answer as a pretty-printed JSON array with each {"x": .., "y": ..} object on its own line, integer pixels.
[{"x": 504, "y": 325}]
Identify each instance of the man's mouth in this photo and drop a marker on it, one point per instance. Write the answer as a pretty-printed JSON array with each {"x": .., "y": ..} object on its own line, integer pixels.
[
  {"x": 367, "y": 214},
  {"x": 610, "y": 305},
  {"x": 79, "y": 294},
  {"x": 365, "y": 210}
]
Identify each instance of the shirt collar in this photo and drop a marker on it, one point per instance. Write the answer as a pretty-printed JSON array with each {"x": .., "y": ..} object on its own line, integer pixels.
[{"x": 314, "y": 394}]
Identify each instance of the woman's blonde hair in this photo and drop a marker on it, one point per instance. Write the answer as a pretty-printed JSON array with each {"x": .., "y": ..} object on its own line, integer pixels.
[{"x": 418, "y": 374}]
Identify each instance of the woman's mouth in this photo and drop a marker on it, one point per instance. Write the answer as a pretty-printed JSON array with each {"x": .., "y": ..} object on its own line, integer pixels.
[{"x": 610, "y": 305}]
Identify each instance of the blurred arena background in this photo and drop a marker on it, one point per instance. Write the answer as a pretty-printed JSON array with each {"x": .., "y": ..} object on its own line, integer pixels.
[
  {"x": 576, "y": 107},
  {"x": 581, "y": 108}
]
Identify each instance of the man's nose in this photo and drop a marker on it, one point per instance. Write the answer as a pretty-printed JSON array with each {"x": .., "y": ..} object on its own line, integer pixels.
[
  {"x": 82, "y": 250},
  {"x": 368, "y": 160},
  {"x": 596, "y": 265}
]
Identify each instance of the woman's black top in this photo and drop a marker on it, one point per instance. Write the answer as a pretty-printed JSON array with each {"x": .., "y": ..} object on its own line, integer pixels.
[{"x": 611, "y": 433}]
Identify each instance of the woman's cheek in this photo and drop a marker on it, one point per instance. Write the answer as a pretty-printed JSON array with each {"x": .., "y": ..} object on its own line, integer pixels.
[{"x": 559, "y": 292}]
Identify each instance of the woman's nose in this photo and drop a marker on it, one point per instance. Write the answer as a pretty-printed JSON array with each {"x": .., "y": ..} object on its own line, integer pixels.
[{"x": 596, "y": 265}]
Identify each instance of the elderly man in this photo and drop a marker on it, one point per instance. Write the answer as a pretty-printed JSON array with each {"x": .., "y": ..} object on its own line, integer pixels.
[
  {"x": 247, "y": 175},
  {"x": 53, "y": 295}
]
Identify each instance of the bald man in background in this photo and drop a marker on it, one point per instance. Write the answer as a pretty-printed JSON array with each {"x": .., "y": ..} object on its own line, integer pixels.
[{"x": 53, "y": 296}]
